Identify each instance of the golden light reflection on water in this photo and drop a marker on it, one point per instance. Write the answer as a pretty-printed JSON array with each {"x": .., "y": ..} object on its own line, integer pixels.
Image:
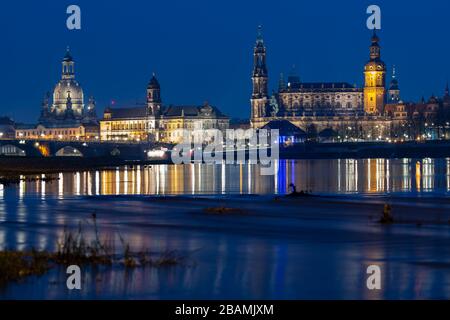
[{"x": 320, "y": 176}]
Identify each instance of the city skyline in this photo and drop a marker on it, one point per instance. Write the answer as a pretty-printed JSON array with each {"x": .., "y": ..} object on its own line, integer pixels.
[
  {"x": 228, "y": 92},
  {"x": 226, "y": 158}
]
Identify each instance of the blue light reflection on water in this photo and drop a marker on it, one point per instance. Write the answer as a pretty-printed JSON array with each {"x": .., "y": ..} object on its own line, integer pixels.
[
  {"x": 337, "y": 176},
  {"x": 260, "y": 255}
]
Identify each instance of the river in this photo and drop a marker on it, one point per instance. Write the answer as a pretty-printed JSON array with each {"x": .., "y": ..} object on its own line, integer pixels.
[{"x": 275, "y": 249}]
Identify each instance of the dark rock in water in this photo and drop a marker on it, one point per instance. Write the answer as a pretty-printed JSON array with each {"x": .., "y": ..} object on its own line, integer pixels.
[
  {"x": 299, "y": 194},
  {"x": 387, "y": 217},
  {"x": 222, "y": 210},
  {"x": 294, "y": 192}
]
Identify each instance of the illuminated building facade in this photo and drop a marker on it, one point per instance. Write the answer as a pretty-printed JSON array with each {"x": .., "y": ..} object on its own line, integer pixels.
[
  {"x": 374, "y": 80},
  {"x": 176, "y": 119},
  {"x": 65, "y": 116},
  {"x": 340, "y": 109},
  {"x": 124, "y": 124},
  {"x": 69, "y": 132},
  {"x": 157, "y": 123},
  {"x": 7, "y": 128}
]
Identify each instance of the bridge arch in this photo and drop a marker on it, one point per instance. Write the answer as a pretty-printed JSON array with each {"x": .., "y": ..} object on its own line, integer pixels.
[
  {"x": 11, "y": 150},
  {"x": 68, "y": 151},
  {"x": 115, "y": 152}
]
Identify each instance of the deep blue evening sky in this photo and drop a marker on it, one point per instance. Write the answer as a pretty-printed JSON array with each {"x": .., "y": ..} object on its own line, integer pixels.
[{"x": 202, "y": 50}]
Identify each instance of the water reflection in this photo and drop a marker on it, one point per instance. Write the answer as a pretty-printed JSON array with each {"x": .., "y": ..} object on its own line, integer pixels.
[
  {"x": 365, "y": 176},
  {"x": 292, "y": 252}
]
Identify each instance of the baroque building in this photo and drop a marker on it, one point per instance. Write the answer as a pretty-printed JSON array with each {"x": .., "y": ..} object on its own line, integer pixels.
[
  {"x": 157, "y": 123},
  {"x": 64, "y": 116},
  {"x": 340, "y": 111},
  {"x": 423, "y": 120},
  {"x": 322, "y": 106},
  {"x": 68, "y": 100}
]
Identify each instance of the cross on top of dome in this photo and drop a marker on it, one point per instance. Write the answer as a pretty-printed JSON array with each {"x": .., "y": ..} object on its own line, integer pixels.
[{"x": 68, "y": 55}]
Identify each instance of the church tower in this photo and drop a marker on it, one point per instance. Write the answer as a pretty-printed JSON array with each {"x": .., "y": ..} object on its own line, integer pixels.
[
  {"x": 374, "y": 80},
  {"x": 68, "y": 66},
  {"x": 153, "y": 108},
  {"x": 45, "y": 110},
  {"x": 90, "y": 114},
  {"x": 446, "y": 98},
  {"x": 259, "y": 98},
  {"x": 153, "y": 97},
  {"x": 67, "y": 88},
  {"x": 394, "y": 90}
]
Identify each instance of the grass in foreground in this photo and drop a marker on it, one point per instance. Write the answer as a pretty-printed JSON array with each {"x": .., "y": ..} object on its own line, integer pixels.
[
  {"x": 15, "y": 265},
  {"x": 74, "y": 249}
]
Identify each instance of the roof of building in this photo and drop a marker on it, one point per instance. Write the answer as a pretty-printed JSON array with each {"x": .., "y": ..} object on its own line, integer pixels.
[
  {"x": 285, "y": 127},
  {"x": 61, "y": 125},
  {"x": 205, "y": 111},
  {"x": 321, "y": 86},
  {"x": 25, "y": 126},
  {"x": 6, "y": 121},
  {"x": 127, "y": 113},
  {"x": 193, "y": 111}
]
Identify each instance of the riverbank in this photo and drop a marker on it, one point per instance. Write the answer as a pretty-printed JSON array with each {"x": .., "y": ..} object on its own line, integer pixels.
[
  {"x": 374, "y": 150},
  {"x": 262, "y": 247},
  {"x": 47, "y": 165},
  {"x": 345, "y": 150}
]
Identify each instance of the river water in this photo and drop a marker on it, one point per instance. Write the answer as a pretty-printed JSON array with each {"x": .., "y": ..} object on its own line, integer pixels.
[
  {"x": 363, "y": 176},
  {"x": 276, "y": 249}
]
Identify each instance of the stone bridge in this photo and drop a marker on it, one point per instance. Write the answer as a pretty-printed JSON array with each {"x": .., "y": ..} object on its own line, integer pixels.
[{"x": 45, "y": 148}]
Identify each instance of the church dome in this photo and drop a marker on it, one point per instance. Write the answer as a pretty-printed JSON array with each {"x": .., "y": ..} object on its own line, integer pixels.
[
  {"x": 65, "y": 89},
  {"x": 68, "y": 93}
]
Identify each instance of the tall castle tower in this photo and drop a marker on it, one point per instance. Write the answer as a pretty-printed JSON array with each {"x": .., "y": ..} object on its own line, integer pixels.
[
  {"x": 259, "y": 98},
  {"x": 375, "y": 80}
]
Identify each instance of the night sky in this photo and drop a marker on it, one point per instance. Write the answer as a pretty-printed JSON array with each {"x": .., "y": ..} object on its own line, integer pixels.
[{"x": 202, "y": 50}]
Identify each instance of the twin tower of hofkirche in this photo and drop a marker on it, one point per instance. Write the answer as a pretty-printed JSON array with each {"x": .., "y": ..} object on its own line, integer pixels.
[{"x": 297, "y": 99}]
